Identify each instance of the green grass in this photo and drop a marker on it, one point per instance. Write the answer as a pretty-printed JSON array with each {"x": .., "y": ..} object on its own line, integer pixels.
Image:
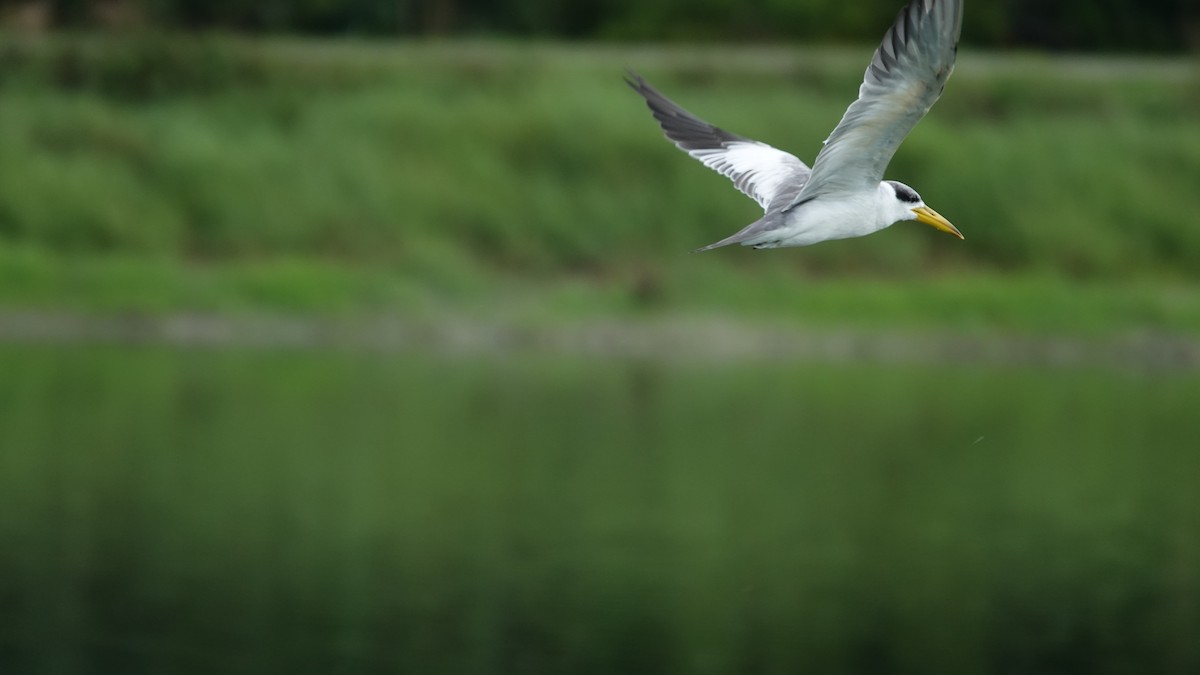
[
  {"x": 972, "y": 303},
  {"x": 164, "y": 173}
]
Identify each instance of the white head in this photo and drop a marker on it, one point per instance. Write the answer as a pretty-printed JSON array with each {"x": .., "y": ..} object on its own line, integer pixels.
[{"x": 899, "y": 202}]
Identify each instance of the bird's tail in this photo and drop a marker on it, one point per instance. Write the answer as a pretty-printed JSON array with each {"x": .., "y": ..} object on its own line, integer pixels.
[{"x": 754, "y": 234}]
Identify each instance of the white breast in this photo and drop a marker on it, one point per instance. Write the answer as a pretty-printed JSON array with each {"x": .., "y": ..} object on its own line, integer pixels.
[{"x": 824, "y": 219}]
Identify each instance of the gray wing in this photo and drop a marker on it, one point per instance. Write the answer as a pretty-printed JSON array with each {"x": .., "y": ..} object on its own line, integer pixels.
[
  {"x": 906, "y": 76},
  {"x": 757, "y": 169}
]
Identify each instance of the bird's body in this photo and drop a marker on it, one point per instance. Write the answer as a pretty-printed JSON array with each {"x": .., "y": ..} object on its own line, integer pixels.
[
  {"x": 853, "y": 214},
  {"x": 843, "y": 195}
]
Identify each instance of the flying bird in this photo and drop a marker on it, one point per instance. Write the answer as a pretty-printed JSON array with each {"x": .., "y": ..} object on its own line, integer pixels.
[{"x": 844, "y": 194}]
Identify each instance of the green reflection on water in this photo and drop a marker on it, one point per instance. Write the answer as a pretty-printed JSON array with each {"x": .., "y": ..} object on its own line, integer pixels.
[{"x": 167, "y": 511}]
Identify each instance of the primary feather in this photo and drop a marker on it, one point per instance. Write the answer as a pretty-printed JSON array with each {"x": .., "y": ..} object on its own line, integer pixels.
[
  {"x": 905, "y": 77},
  {"x": 757, "y": 169}
]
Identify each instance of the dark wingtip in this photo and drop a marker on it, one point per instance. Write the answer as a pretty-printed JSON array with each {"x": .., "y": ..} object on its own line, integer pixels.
[
  {"x": 637, "y": 82},
  {"x": 686, "y": 130}
]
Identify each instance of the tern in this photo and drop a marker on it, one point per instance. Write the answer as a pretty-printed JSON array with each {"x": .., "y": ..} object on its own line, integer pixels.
[{"x": 844, "y": 194}]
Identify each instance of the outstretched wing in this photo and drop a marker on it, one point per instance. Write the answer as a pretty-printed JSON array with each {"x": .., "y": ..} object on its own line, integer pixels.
[
  {"x": 757, "y": 169},
  {"x": 906, "y": 76}
]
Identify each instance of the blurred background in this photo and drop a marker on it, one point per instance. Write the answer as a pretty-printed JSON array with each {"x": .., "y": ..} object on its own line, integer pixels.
[{"x": 362, "y": 336}]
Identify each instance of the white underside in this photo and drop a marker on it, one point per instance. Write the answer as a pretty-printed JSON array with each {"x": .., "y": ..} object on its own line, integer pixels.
[{"x": 826, "y": 218}]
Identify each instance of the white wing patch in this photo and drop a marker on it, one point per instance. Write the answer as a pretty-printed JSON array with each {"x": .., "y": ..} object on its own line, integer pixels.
[{"x": 755, "y": 168}]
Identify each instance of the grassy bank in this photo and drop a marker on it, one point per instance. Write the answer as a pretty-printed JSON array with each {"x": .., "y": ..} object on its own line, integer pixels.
[
  {"x": 159, "y": 174},
  {"x": 972, "y": 305}
]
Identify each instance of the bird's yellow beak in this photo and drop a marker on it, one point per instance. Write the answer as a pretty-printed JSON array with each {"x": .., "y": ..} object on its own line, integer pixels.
[{"x": 935, "y": 220}]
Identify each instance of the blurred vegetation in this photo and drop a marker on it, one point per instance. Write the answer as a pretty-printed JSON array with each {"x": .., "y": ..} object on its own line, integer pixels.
[
  {"x": 377, "y": 169},
  {"x": 1155, "y": 25}
]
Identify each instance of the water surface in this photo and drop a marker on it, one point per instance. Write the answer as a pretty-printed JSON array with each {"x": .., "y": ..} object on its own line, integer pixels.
[{"x": 193, "y": 511}]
